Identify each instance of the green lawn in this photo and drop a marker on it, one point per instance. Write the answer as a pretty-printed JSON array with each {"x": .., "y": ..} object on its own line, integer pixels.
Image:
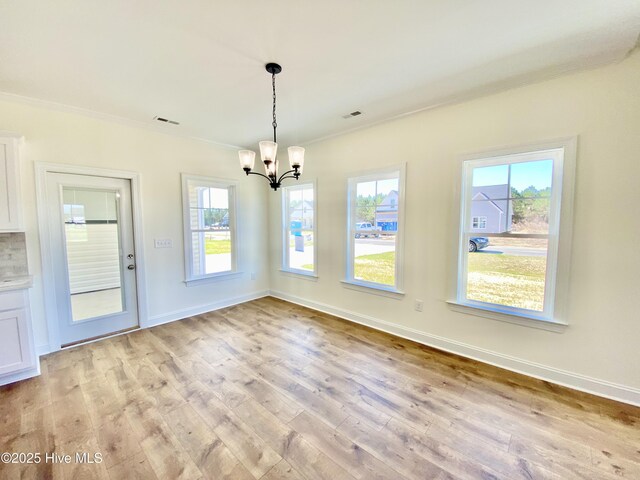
[
  {"x": 378, "y": 268},
  {"x": 213, "y": 247},
  {"x": 512, "y": 280}
]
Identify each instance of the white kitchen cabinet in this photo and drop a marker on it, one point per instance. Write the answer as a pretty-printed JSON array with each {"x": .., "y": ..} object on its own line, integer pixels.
[
  {"x": 10, "y": 204},
  {"x": 18, "y": 359}
]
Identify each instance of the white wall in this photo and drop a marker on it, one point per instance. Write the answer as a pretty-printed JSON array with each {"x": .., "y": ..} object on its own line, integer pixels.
[
  {"x": 58, "y": 136},
  {"x": 602, "y": 344}
]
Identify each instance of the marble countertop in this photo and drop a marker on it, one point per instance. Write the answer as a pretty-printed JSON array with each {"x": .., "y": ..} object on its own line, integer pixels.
[{"x": 15, "y": 283}]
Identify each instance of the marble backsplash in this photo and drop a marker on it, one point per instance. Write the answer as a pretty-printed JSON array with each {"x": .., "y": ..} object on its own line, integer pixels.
[{"x": 13, "y": 255}]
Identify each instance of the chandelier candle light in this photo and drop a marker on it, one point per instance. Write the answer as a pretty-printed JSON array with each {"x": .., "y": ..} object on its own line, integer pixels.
[{"x": 269, "y": 150}]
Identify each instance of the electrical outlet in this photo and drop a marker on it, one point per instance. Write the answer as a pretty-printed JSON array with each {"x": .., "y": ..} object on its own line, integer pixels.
[
  {"x": 419, "y": 306},
  {"x": 253, "y": 275},
  {"x": 163, "y": 243}
]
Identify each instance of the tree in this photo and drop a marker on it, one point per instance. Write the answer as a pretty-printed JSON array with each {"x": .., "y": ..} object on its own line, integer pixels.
[
  {"x": 531, "y": 206},
  {"x": 366, "y": 207}
]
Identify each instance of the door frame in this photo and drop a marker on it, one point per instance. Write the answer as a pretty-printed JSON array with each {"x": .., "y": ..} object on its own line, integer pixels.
[{"x": 46, "y": 250}]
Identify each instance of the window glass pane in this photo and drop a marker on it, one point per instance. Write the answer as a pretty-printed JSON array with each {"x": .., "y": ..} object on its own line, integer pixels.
[
  {"x": 366, "y": 189},
  {"x": 301, "y": 251},
  {"x": 92, "y": 243},
  {"x": 507, "y": 272},
  {"x": 300, "y": 229},
  {"x": 491, "y": 203},
  {"x": 532, "y": 178},
  {"x": 494, "y": 175},
  {"x": 375, "y": 259},
  {"x": 530, "y": 215},
  {"x": 376, "y": 226},
  {"x": 295, "y": 198},
  {"x": 211, "y": 252}
]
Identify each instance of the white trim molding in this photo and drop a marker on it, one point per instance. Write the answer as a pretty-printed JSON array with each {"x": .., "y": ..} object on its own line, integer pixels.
[
  {"x": 576, "y": 381},
  {"x": 22, "y": 375}
]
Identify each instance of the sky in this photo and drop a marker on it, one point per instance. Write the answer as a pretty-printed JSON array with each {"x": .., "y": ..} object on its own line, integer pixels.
[
  {"x": 368, "y": 189},
  {"x": 523, "y": 175},
  {"x": 217, "y": 198}
]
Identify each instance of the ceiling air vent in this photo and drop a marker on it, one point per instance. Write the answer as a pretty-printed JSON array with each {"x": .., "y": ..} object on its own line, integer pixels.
[
  {"x": 352, "y": 114},
  {"x": 166, "y": 120}
]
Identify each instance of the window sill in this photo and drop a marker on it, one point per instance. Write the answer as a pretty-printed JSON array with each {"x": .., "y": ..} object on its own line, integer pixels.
[
  {"x": 300, "y": 274},
  {"x": 373, "y": 289},
  {"x": 218, "y": 277},
  {"x": 518, "y": 319}
]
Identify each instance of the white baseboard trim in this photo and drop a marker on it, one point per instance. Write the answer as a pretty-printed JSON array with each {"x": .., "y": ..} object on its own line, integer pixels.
[
  {"x": 156, "y": 320},
  {"x": 575, "y": 381},
  {"x": 16, "y": 377}
]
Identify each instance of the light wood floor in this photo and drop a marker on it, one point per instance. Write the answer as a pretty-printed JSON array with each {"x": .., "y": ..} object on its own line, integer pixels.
[{"x": 269, "y": 390}]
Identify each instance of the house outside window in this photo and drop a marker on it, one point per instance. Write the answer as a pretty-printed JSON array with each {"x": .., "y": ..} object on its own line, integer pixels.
[
  {"x": 479, "y": 223},
  {"x": 516, "y": 201},
  {"x": 299, "y": 229},
  {"x": 375, "y": 228},
  {"x": 209, "y": 227}
]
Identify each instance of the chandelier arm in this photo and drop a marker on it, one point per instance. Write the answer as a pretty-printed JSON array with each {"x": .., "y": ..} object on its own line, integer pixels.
[
  {"x": 290, "y": 176},
  {"x": 286, "y": 173},
  {"x": 262, "y": 175}
]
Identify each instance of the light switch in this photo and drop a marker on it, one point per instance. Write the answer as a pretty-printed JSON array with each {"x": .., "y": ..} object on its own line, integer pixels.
[{"x": 163, "y": 243}]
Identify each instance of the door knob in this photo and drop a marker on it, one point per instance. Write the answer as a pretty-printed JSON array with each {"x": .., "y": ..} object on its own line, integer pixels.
[{"x": 131, "y": 267}]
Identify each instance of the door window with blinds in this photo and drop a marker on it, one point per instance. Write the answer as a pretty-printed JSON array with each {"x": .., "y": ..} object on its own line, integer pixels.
[
  {"x": 92, "y": 238},
  {"x": 510, "y": 232},
  {"x": 299, "y": 229},
  {"x": 209, "y": 224}
]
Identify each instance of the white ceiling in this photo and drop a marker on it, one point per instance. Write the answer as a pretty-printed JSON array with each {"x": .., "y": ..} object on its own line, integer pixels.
[{"x": 200, "y": 62}]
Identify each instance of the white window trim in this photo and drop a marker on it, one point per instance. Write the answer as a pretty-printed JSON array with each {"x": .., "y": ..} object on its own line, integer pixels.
[
  {"x": 230, "y": 185},
  {"x": 371, "y": 175},
  {"x": 556, "y": 311},
  {"x": 284, "y": 223}
]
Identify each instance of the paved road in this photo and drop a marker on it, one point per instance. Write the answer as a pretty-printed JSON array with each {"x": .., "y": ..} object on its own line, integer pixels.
[
  {"x": 366, "y": 246},
  {"x": 517, "y": 251}
]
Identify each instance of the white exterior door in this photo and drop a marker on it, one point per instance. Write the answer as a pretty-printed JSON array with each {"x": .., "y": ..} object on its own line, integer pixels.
[{"x": 94, "y": 259}]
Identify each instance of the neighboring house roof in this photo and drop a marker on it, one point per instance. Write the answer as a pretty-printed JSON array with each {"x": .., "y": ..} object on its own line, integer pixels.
[
  {"x": 491, "y": 202},
  {"x": 390, "y": 201},
  {"x": 307, "y": 210}
]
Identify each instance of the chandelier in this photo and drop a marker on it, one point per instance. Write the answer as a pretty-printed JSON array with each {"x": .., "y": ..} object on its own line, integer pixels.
[{"x": 269, "y": 149}]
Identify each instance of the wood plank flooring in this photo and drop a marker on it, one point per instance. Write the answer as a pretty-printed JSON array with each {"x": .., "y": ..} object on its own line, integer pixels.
[{"x": 270, "y": 390}]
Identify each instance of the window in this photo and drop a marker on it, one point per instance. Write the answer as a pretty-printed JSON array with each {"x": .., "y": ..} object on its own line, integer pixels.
[
  {"x": 375, "y": 224},
  {"x": 479, "y": 223},
  {"x": 516, "y": 201},
  {"x": 299, "y": 229},
  {"x": 209, "y": 227}
]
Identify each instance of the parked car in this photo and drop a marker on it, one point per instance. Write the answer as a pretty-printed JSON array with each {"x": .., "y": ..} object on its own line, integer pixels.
[
  {"x": 366, "y": 230},
  {"x": 478, "y": 243}
]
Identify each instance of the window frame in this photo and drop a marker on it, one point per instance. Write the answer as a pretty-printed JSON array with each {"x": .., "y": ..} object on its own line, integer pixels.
[
  {"x": 209, "y": 182},
  {"x": 285, "y": 263},
  {"x": 395, "y": 291},
  {"x": 554, "y": 312}
]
